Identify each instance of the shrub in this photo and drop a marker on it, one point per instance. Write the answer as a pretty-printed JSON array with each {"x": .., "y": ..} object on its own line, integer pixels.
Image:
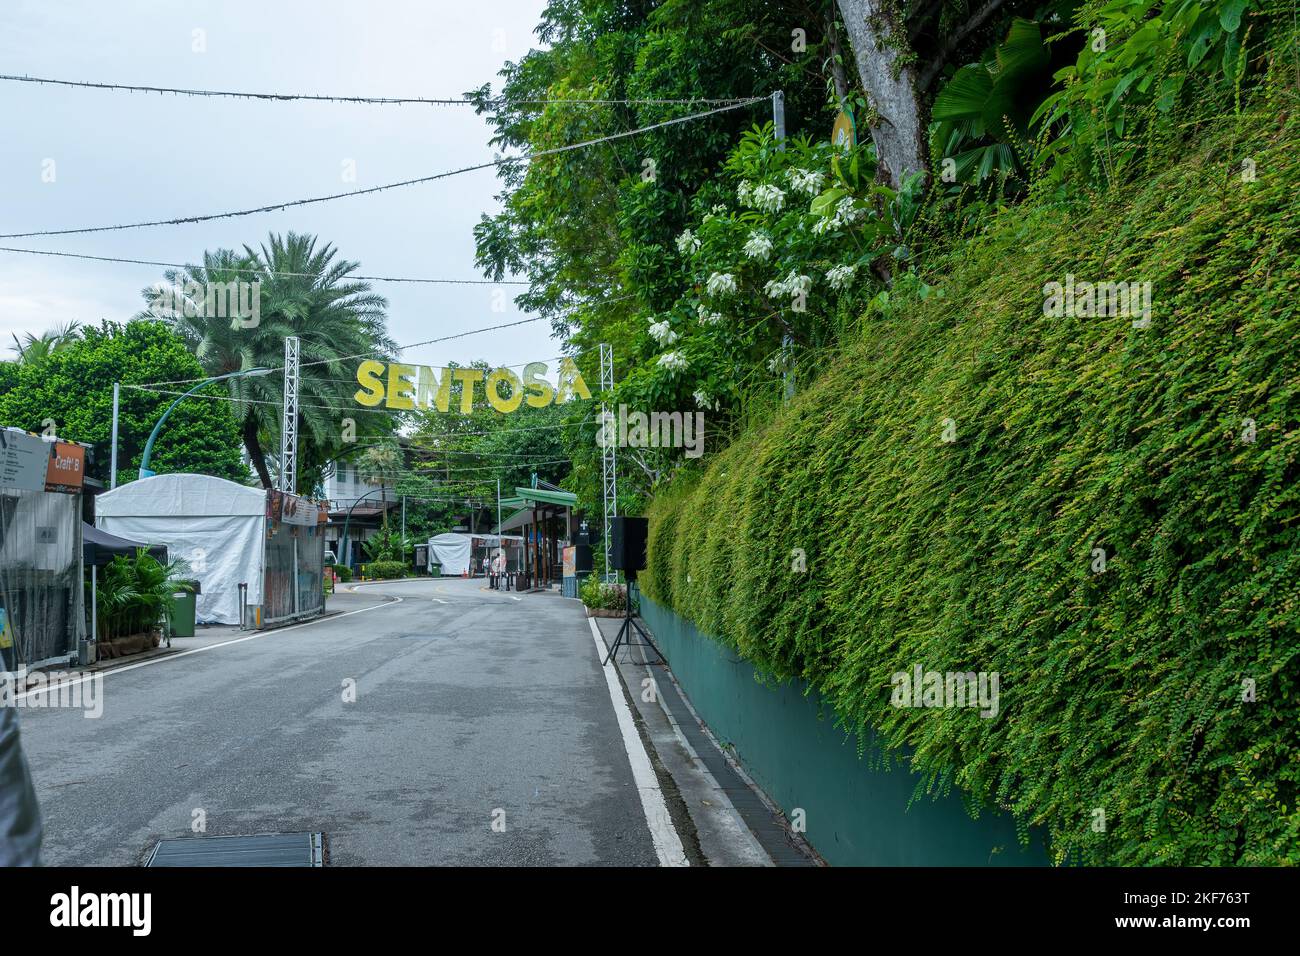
[
  {"x": 607, "y": 597},
  {"x": 343, "y": 572},
  {"x": 1114, "y": 528},
  {"x": 384, "y": 569}
]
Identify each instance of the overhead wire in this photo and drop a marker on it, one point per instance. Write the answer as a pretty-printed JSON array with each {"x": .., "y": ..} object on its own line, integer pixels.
[{"x": 289, "y": 204}]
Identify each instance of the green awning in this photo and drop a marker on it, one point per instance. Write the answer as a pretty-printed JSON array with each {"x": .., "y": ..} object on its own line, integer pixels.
[{"x": 531, "y": 496}]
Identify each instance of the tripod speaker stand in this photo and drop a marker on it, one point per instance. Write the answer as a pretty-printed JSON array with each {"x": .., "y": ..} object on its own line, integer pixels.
[
  {"x": 627, "y": 554},
  {"x": 630, "y": 624}
]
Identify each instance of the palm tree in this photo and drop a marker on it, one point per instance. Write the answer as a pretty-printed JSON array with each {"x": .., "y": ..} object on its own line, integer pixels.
[
  {"x": 34, "y": 348},
  {"x": 379, "y": 464},
  {"x": 303, "y": 292}
]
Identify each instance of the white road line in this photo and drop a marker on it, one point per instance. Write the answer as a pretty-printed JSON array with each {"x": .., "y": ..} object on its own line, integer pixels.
[
  {"x": 667, "y": 844},
  {"x": 440, "y": 601},
  {"x": 198, "y": 650}
]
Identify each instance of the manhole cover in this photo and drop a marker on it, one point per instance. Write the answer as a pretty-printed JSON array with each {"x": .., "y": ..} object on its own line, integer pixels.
[{"x": 261, "y": 849}]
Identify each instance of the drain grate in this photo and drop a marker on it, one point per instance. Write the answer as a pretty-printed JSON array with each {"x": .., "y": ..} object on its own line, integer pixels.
[
  {"x": 425, "y": 637},
  {"x": 260, "y": 849}
]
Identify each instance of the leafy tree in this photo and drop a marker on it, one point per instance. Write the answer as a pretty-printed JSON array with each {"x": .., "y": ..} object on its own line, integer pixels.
[
  {"x": 34, "y": 348},
  {"x": 73, "y": 386},
  {"x": 303, "y": 291},
  {"x": 381, "y": 464},
  {"x": 576, "y": 222}
]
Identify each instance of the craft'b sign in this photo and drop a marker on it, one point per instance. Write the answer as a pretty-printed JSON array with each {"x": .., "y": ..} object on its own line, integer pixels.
[{"x": 400, "y": 386}]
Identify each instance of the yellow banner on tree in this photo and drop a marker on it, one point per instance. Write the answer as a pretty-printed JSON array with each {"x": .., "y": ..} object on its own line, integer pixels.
[{"x": 410, "y": 387}]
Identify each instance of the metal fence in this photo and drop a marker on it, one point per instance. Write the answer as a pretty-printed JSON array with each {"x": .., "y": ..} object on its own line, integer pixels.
[
  {"x": 293, "y": 560},
  {"x": 41, "y": 600}
]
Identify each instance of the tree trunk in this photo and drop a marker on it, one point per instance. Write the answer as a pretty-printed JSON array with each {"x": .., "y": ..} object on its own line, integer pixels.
[
  {"x": 880, "y": 48},
  {"x": 837, "y": 58},
  {"x": 254, "y": 449}
]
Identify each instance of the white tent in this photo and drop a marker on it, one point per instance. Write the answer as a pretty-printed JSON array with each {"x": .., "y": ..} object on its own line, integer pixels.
[
  {"x": 214, "y": 525},
  {"x": 450, "y": 550}
]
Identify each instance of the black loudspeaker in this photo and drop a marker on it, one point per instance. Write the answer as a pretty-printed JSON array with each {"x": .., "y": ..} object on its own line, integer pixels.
[{"x": 628, "y": 537}]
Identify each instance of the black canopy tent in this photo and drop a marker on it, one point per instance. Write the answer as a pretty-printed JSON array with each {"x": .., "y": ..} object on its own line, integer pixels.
[{"x": 99, "y": 548}]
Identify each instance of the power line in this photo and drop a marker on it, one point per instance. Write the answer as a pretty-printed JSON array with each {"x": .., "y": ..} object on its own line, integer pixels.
[
  {"x": 357, "y": 409},
  {"x": 412, "y": 345},
  {"x": 292, "y": 275},
  {"x": 501, "y": 466},
  {"x": 276, "y": 207},
  {"x": 367, "y": 100}
]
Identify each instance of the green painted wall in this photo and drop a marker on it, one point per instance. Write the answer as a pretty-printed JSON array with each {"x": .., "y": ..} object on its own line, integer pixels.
[{"x": 788, "y": 742}]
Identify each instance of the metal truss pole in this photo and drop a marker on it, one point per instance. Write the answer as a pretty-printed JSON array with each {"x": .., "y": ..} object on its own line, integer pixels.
[
  {"x": 609, "y": 475},
  {"x": 289, "y": 428}
]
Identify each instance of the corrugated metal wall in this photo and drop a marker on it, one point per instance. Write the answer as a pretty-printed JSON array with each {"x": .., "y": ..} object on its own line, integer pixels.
[
  {"x": 40, "y": 576},
  {"x": 293, "y": 585}
]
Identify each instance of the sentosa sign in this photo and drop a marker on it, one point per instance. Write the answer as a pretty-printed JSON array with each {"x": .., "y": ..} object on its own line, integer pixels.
[{"x": 399, "y": 386}]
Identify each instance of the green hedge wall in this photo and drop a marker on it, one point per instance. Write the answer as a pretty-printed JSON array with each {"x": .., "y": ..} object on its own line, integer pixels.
[{"x": 1121, "y": 691}]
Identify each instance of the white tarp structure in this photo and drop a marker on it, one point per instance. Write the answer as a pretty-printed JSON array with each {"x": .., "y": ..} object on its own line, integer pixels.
[
  {"x": 452, "y": 551},
  {"x": 214, "y": 525}
]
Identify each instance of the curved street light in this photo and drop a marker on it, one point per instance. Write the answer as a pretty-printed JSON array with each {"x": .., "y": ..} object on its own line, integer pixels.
[
  {"x": 343, "y": 538},
  {"x": 153, "y": 435}
]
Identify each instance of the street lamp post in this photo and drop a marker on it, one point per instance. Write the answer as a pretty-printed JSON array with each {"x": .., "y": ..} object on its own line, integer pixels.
[
  {"x": 343, "y": 538},
  {"x": 153, "y": 435}
]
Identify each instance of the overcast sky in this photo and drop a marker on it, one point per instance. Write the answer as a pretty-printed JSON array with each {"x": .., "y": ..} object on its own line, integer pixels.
[{"x": 124, "y": 157}]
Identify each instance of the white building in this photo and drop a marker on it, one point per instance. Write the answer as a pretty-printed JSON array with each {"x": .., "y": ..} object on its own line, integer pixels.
[{"x": 367, "y": 501}]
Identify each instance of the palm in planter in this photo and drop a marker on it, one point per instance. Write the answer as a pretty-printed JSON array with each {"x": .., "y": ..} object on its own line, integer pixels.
[{"x": 134, "y": 595}]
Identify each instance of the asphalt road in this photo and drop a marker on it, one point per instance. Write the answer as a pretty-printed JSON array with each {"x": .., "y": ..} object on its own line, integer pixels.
[{"x": 471, "y": 707}]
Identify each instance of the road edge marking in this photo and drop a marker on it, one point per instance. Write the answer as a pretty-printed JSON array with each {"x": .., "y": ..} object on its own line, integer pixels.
[
  {"x": 667, "y": 844},
  {"x": 198, "y": 650}
]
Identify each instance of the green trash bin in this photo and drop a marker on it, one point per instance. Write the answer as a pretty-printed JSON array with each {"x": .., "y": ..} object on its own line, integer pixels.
[{"x": 184, "y": 606}]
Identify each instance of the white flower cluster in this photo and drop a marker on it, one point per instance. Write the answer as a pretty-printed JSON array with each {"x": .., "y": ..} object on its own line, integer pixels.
[
  {"x": 841, "y": 277},
  {"x": 662, "y": 332},
  {"x": 688, "y": 243},
  {"x": 791, "y": 285},
  {"x": 720, "y": 283},
  {"x": 703, "y": 400},
  {"x": 709, "y": 318},
  {"x": 846, "y": 214},
  {"x": 807, "y": 181},
  {"x": 673, "y": 361},
  {"x": 768, "y": 198},
  {"x": 758, "y": 247}
]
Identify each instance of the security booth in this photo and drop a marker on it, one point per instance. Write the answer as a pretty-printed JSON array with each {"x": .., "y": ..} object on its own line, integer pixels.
[
  {"x": 545, "y": 518},
  {"x": 41, "y": 594}
]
